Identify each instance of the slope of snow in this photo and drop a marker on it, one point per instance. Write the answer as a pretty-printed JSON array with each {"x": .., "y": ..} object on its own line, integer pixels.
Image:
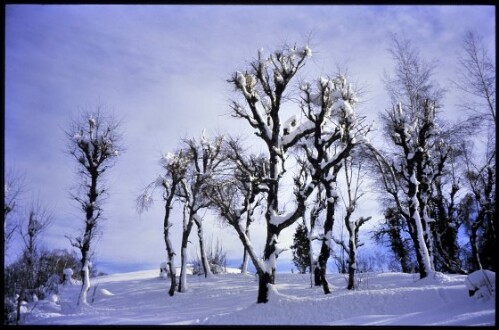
[{"x": 382, "y": 299}]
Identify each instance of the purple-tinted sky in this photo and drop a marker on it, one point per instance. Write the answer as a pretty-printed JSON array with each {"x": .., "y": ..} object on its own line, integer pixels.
[{"x": 163, "y": 71}]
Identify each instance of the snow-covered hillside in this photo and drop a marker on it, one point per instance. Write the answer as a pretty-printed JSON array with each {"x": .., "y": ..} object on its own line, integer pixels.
[{"x": 382, "y": 299}]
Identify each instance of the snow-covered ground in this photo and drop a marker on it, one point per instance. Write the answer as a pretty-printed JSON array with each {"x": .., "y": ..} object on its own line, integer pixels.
[{"x": 382, "y": 299}]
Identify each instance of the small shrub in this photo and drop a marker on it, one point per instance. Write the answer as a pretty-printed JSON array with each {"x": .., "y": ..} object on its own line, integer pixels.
[{"x": 217, "y": 258}]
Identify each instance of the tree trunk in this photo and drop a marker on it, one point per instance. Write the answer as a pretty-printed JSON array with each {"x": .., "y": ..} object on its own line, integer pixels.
[
  {"x": 87, "y": 236},
  {"x": 22, "y": 296},
  {"x": 264, "y": 280},
  {"x": 204, "y": 259},
  {"x": 182, "y": 285},
  {"x": 85, "y": 286},
  {"x": 269, "y": 258},
  {"x": 320, "y": 272},
  {"x": 169, "y": 248},
  {"x": 351, "y": 269},
  {"x": 474, "y": 241},
  {"x": 397, "y": 244},
  {"x": 314, "y": 271},
  {"x": 419, "y": 237},
  {"x": 317, "y": 275},
  {"x": 352, "y": 252},
  {"x": 244, "y": 266}
]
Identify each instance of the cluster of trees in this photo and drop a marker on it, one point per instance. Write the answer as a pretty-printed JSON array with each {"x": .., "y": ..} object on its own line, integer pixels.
[
  {"x": 434, "y": 181},
  {"x": 436, "y": 187},
  {"x": 433, "y": 184},
  {"x": 428, "y": 182}
]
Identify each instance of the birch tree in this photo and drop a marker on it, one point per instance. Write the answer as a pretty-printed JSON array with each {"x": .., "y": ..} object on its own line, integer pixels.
[{"x": 477, "y": 81}]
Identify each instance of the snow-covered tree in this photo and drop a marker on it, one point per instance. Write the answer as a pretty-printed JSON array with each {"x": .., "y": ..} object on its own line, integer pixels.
[
  {"x": 94, "y": 142},
  {"x": 174, "y": 167},
  {"x": 263, "y": 87},
  {"x": 318, "y": 205},
  {"x": 336, "y": 130},
  {"x": 409, "y": 172},
  {"x": 205, "y": 157},
  {"x": 237, "y": 191},
  {"x": 411, "y": 176},
  {"x": 353, "y": 187}
]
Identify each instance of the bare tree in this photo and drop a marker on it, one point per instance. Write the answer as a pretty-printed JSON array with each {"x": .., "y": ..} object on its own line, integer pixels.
[
  {"x": 33, "y": 224},
  {"x": 237, "y": 191},
  {"x": 243, "y": 175},
  {"x": 445, "y": 207},
  {"x": 13, "y": 190},
  {"x": 36, "y": 220},
  {"x": 174, "y": 166},
  {"x": 477, "y": 79},
  {"x": 481, "y": 181},
  {"x": 353, "y": 195},
  {"x": 94, "y": 142}
]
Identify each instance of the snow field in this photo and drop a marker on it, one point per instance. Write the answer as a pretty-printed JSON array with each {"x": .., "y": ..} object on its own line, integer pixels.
[{"x": 382, "y": 299}]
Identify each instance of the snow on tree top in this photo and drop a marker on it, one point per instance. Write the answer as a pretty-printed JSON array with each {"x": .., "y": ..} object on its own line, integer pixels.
[{"x": 168, "y": 158}]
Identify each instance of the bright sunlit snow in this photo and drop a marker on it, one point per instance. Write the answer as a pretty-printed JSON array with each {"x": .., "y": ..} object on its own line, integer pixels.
[{"x": 382, "y": 299}]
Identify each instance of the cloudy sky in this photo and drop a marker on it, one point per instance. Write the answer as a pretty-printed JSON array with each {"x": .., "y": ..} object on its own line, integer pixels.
[{"x": 162, "y": 70}]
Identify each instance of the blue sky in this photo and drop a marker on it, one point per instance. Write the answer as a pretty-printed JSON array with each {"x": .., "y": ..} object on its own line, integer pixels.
[{"x": 163, "y": 71}]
